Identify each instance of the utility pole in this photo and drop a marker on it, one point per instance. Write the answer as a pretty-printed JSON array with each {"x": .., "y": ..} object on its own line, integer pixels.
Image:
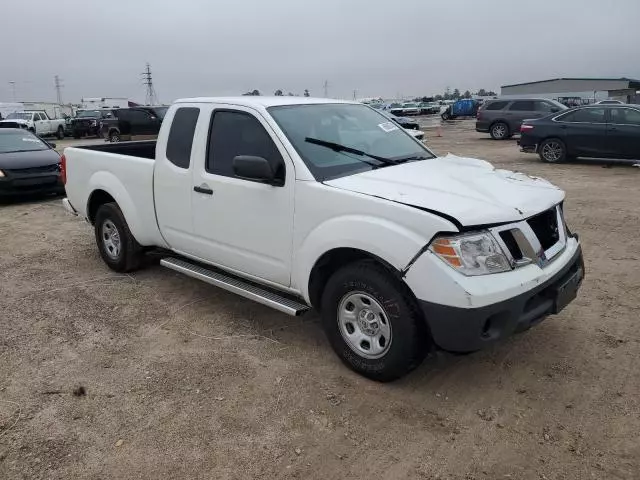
[
  {"x": 355, "y": 93},
  {"x": 58, "y": 84},
  {"x": 326, "y": 88},
  {"x": 151, "y": 98},
  {"x": 13, "y": 89}
]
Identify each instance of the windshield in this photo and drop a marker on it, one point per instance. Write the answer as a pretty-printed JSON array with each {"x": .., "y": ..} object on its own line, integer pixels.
[
  {"x": 356, "y": 127},
  {"x": 20, "y": 141},
  {"x": 87, "y": 113},
  {"x": 19, "y": 116}
]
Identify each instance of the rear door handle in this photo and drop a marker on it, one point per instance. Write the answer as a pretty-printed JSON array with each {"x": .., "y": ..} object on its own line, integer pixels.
[{"x": 203, "y": 189}]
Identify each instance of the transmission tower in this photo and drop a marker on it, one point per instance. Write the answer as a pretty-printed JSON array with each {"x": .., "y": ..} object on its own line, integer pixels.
[
  {"x": 59, "y": 85},
  {"x": 325, "y": 86},
  {"x": 151, "y": 98}
]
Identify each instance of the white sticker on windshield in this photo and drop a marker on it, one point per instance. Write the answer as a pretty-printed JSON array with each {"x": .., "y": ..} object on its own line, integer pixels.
[{"x": 388, "y": 126}]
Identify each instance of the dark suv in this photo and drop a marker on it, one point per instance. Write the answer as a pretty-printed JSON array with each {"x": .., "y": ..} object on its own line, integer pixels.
[
  {"x": 503, "y": 117},
  {"x": 87, "y": 122},
  {"x": 137, "y": 123}
]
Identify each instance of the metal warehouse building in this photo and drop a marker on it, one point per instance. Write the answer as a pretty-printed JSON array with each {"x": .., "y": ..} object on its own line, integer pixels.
[{"x": 577, "y": 90}]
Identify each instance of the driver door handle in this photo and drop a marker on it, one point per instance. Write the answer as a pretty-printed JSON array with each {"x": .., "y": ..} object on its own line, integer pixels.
[{"x": 204, "y": 188}]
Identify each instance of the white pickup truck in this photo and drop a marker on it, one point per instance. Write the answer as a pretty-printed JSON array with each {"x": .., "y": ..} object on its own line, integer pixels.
[
  {"x": 299, "y": 203},
  {"x": 37, "y": 122}
]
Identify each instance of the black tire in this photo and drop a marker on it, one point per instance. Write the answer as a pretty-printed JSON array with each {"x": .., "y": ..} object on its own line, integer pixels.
[
  {"x": 409, "y": 339},
  {"x": 130, "y": 254},
  {"x": 445, "y": 115},
  {"x": 32, "y": 130},
  {"x": 552, "y": 150},
  {"x": 500, "y": 131},
  {"x": 60, "y": 133},
  {"x": 114, "y": 137}
]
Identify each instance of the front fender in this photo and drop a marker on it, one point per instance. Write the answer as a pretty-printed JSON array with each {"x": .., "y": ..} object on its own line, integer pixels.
[{"x": 391, "y": 242}]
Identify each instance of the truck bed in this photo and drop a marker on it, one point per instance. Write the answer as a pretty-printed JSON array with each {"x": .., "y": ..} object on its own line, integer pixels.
[
  {"x": 125, "y": 172},
  {"x": 145, "y": 149}
]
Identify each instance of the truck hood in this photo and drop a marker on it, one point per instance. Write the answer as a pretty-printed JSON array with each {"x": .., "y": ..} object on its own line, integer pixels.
[{"x": 471, "y": 191}]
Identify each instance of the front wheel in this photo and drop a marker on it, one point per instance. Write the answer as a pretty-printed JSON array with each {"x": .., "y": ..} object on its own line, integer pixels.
[
  {"x": 118, "y": 248},
  {"x": 372, "y": 322},
  {"x": 552, "y": 150},
  {"x": 114, "y": 137}
]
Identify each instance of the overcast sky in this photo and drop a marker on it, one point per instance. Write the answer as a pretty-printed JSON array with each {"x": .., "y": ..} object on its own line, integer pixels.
[{"x": 377, "y": 47}]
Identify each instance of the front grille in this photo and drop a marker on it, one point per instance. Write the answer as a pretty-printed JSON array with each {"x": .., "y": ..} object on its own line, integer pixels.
[
  {"x": 535, "y": 240},
  {"x": 32, "y": 170},
  {"x": 545, "y": 226}
]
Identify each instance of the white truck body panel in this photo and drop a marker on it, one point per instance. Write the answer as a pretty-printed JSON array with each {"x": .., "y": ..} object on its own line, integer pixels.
[{"x": 127, "y": 179}]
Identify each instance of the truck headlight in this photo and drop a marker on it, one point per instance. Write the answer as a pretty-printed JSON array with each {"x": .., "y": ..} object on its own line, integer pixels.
[{"x": 471, "y": 254}]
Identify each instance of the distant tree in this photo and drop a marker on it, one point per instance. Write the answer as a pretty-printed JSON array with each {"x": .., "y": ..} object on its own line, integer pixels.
[
  {"x": 491, "y": 93},
  {"x": 278, "y": 93},
  {"x": 482, "y": 92},
  {"x": 439, "y": 98},
  {"x": 467, "y": 94},
  {"x": 306, "y": 92},
  {"x": 290, "y": 94},
  {"x": 456, "y": 93},
  {"x": 256, "y": 93}
]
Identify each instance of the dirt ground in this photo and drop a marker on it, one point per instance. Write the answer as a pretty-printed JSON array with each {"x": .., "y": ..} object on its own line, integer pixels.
[{"x": 183, "y": 380}]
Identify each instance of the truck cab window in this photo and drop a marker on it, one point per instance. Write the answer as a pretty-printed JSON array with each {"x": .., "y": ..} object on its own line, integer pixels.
[
  {"x": 234, "y": 133},
  {"x": 181, "y": 134}
]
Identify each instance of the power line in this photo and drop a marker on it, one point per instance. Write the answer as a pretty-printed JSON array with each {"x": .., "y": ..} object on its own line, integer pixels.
[
  {"x": 59, "y": 85},
  {"x": 151, "y": 97}
]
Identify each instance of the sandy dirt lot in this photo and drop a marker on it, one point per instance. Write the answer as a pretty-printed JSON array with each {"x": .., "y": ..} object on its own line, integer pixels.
[{"x": 176, "y": 379}]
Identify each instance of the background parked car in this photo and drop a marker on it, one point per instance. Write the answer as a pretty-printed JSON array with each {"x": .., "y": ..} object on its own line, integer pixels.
[
  {"x": 602, "y": 131},
  {"x": 429, "y": 108},
  {"x": 28, "y": 164},
  {"x": 502, "y": 118},
  {"x": 410, "y": 108},
  {"x": 138, "y": 123},
  {"x": 396, "y": 109},
  {"x": 37, "y": 122},
  {"x": 87, "y": 122}
]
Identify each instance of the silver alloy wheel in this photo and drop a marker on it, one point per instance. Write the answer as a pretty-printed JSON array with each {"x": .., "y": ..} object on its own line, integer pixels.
[
  {"x": 499, "y": 130},
  {"x": 364, "y": 325},
  {"x": 115, "y": 138},
  {"x": 111, "y": 239},
  {"x": 552, "y": 151}
]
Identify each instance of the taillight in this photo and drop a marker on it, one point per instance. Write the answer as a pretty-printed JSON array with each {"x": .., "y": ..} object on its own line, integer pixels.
[
  {"x": 63, "y": 169},
  {"x": 525, "y": 128}
]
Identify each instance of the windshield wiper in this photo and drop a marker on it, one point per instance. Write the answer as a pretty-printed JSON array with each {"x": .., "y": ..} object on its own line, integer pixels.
[{"x": 343, "y": 148}]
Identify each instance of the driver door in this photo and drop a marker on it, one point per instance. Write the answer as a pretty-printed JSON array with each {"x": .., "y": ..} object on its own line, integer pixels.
[{"x": 239, "y": 224}]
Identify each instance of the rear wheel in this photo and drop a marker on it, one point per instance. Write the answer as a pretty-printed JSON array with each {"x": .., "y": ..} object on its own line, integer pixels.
[
  {"x": 60, "y": 132},
  {"x": 372, "y": 322},
  {"x": 118, "y": 248},
  {"x": 552, "y": 150},
  {"x": 499, "y": 131}
]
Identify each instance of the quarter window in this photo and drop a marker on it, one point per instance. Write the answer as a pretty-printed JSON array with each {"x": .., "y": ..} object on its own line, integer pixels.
[
  {"x": 234, "y": 133},
  {"x": 181, "y": 134}
]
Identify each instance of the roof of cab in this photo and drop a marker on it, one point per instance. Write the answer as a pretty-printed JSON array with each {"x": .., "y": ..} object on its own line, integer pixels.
[{"x": 260, "y": 101}]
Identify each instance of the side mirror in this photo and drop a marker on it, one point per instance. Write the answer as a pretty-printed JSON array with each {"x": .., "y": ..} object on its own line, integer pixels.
[{"x": 257, "y": 169}]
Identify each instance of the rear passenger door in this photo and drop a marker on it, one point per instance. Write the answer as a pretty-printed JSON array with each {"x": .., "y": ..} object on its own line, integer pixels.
[
  {"x": 173, "y": 178},
  {"x": 142, "y": 124},
  {"x": 518, "y": 111},
  {"x": 623, "y": 132}
]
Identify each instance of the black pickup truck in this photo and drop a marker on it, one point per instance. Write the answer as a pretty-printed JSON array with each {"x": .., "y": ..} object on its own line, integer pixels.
[
  {"x": 137, "y": 123},
  {"x": 87, "y": 122}
]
